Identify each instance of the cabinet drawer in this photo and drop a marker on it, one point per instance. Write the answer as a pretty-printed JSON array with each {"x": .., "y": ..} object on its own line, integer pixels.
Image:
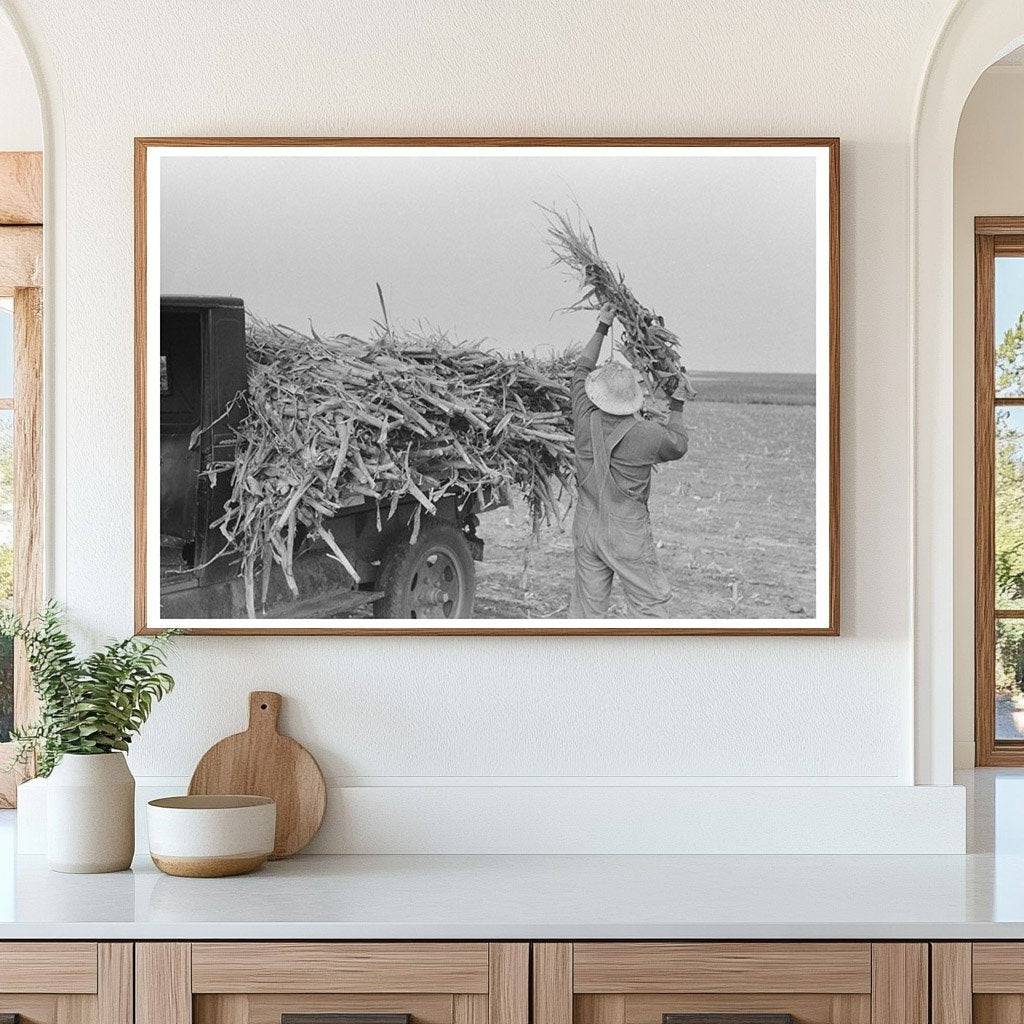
[
  {"x": 630, "y": 967},
  {"x": 66, "y": 982},
  {"x": 998, "y": 967},
  {"x": 48, "y": 967},
  {"x": 981, "y": 982},
  {"x": 262, "y": 982},
  {"x": 340, "y": 967},
  {"x": 735, "y": 982}
]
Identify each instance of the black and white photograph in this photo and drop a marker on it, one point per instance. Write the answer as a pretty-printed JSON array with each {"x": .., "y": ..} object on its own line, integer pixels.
[{"x": 453, "y": 386}]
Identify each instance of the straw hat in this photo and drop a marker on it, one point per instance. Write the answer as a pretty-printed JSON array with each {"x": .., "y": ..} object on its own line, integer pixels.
[{"x": 613, "y": 388}]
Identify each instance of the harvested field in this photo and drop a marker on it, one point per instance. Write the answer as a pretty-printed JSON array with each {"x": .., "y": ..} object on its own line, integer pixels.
[
  {"x": 755, "y": 388},
  {"x": 734, "y": 521}
]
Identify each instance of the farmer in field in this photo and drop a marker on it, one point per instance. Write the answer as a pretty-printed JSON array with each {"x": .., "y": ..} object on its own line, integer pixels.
[{"x": 615, "y": 452}]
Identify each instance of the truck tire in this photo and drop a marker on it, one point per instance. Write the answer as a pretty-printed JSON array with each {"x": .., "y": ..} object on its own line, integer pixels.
[{"x": 435, "y": 578}]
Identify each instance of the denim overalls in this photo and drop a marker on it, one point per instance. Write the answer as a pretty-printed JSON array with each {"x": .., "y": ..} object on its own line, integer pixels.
[{"x": 612, "y": 536}]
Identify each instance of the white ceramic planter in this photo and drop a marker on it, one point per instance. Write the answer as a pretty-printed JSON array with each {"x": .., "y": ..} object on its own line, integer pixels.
[{"x": 90, "y": 814}]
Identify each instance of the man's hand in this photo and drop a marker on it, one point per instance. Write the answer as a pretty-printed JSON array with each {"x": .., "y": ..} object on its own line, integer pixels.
[
  {"x": 678, "y": 387},
  {"x": 592, "y": 350}
]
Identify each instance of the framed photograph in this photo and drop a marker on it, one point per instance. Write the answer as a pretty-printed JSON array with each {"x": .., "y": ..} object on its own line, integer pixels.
[{"x": 487, "y": 386}]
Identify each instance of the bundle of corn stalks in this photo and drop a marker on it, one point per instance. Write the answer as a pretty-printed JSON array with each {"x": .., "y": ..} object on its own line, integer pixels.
[
  {"x": 403, "y": 418},
  {"x": 651, "y": 348}
]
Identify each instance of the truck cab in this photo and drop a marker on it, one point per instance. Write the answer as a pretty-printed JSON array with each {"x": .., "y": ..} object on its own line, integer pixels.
[
  {"x": 203, "y": 378},
  {"x": 202, "y": 370}
]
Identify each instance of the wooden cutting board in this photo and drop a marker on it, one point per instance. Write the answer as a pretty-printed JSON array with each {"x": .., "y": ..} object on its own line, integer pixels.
[{"x": 262, "y": 762}]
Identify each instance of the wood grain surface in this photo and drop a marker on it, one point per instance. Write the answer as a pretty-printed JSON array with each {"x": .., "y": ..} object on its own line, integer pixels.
[
  {"x": 309, "y": 967},
  {"x": 951, "y": 984},
  {"x": 606, "y": 1008},
  {"x": 21, "y": 258},
  {"x": 262, "y": 762},
  {"x": 899, "y": 983},
  {"x": 756, "y": 967},
  {"x": 508, "y": 990},
  {"x": 469, "y": 1008},
  {"x": 163, "y": 983},
  {"x": 115, "y": 989},
  {"x": 552, "y": 983},
  {"x": 28, "y": 483},
  {"x": 69, "y": 967},
  {"x": 21, "y": 188},
  {"x": 998, "y": 967},
  {"x": 984, "y": 504},
  {"x": 989, "y": 1008}
]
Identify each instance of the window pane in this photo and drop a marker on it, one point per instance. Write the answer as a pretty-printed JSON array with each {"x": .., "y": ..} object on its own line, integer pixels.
[
  {"x": 6, "y": 567},
  {"x": 6, "y": 349},
  {"x": 1009, "y": 512},
  {"x": 1009, "y": 326},
  {"x": 1009, "y": 679}
]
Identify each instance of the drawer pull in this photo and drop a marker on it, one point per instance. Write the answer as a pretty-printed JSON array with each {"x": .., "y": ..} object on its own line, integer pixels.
[
  {"x": 728, "y": 1018},
  {"x": 340, "y": 1018}
]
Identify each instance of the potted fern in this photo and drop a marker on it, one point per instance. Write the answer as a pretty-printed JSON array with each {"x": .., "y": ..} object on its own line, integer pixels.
[{"x": 89, "y": 710}]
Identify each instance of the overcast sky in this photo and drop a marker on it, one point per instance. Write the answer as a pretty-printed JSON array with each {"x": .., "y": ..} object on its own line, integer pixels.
[{"x": 722, "y": 247}]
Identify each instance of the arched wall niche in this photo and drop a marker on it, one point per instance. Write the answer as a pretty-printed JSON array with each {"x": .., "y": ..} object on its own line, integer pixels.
[{"x": 975, "y": 34}]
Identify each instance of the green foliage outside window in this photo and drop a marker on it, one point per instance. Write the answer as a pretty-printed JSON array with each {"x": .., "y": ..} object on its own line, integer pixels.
[{"x": 1009, "y": 508}]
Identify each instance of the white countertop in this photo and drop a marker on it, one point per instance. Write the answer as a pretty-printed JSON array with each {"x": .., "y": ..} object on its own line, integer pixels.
[
  {"x": 978, "y": 896},
  {"x": 532, "y": 897}
]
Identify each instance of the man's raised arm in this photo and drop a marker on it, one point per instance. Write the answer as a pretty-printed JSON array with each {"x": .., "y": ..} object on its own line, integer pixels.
[
  {"x": 581, "y": 404},
  {"x": 677, "y": 439},
  {"x": 592, "y": 349}
]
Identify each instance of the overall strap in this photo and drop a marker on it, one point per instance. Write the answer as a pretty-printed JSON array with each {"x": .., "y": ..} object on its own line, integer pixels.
[{"x": 604, "y": 446}]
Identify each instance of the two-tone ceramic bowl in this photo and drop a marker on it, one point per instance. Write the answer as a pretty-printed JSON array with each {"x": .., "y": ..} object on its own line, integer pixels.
[{"x": 211, "y": 836}]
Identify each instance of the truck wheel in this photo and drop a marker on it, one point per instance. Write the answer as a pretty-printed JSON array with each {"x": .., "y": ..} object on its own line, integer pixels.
[{"x": 432, "y": 579}]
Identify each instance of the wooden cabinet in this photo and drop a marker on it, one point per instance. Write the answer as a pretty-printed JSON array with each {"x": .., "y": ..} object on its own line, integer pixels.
[
  {"x": 66, "y": 982},
  {"x": 260, "y": 982},
  {"x": 494, "y": 983},
  {"x": 980, "y": 982},
  {"x": 648, "y": 982}
]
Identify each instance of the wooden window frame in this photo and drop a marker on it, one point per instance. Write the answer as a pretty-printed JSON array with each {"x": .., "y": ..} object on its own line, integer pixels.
[
  {"x": 21, "y": 270},
  {"x": 993, "y": 236}
]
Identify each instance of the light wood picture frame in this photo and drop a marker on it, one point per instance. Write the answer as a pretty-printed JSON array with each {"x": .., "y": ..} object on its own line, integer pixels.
[{"x": 178, "y": 222}]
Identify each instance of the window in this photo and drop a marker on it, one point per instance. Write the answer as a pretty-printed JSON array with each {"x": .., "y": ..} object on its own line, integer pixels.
[
  {"x": 999, "y": 490},
  {"x": 21, "y": 365},
  {"x": 6, "y": 510}
]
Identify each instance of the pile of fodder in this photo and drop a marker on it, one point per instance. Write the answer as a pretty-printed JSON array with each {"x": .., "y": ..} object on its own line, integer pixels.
[
  {"x": 333, "y": 422},
  {"x": 651, "y": 348}
]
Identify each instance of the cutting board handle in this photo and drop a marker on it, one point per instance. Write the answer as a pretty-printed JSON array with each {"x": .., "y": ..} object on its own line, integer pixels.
[{"x": 264, "y": 711}]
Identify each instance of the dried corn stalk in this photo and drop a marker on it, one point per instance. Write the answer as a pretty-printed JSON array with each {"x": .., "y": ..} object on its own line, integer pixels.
[
  {"x": 408, "y": 419},
  {"x": 646, "y": 342},
  {"x": 333, "y": 422}
]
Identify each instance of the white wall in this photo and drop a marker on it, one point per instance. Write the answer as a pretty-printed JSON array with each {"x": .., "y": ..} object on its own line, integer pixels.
[
  {"x": 444, "y": 713},
  {"x": 988, "y": 181},
  {"x": 20, "y": 121}
]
